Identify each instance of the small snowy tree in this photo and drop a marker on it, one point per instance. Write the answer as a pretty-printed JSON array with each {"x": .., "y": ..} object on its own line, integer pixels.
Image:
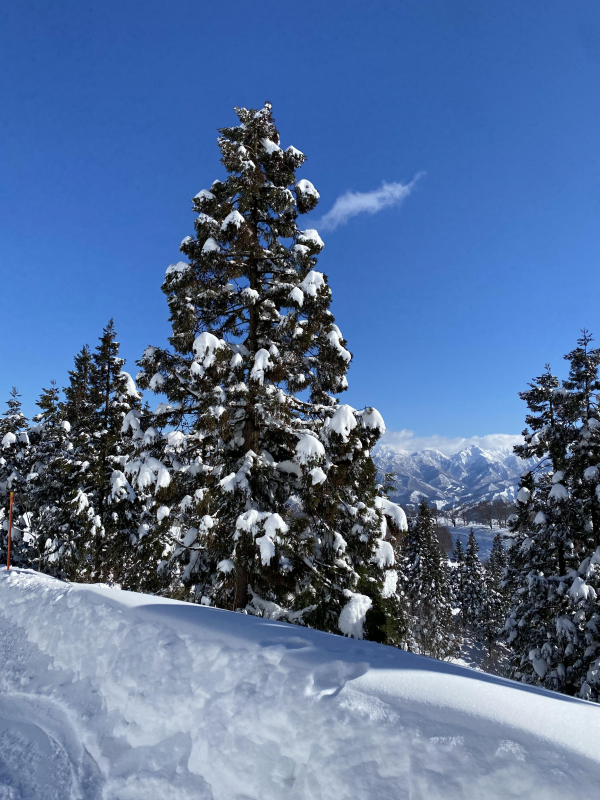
[
  {"x": 14, "y": 467},
  {"x": 473, "y": 586},
  {"x": 495, "y": 600},
  {"x": 456, "y": 582},
  {"x": 257, "y": 482},
  {"x": 428, "y": 590}
]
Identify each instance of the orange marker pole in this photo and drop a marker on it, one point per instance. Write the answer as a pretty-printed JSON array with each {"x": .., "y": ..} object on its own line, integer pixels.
[{"x": 9, "y": 532}]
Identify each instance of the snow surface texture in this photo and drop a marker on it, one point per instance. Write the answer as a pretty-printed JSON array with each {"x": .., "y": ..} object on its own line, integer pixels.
[{"x": 108, "y": 694}]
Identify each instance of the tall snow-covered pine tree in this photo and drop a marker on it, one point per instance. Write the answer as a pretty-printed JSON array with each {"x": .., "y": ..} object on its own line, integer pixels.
[
  {"x": 553, "y": 566},
  {"x": 14, "y": 467},
  {"x": 258, "y": 482}
]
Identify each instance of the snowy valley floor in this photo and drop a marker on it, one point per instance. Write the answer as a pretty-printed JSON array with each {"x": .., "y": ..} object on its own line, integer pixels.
[
  {"x": 112, "y": 695},
  {"x": 483, "y": 533}
]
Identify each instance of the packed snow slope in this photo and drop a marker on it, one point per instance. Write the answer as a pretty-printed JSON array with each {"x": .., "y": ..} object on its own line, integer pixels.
[{"x": 121, "y": 696}]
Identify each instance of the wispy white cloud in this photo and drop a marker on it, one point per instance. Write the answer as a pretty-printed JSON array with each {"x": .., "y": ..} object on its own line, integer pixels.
[
  {"x": 406, "y": 441},
  {"x": 353, "y": 203}
]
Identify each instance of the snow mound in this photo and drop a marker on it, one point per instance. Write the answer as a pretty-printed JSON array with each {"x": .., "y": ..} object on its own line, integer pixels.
[
  {"x": 114, "y": 695},
  {"x": 306, "y": 187}
]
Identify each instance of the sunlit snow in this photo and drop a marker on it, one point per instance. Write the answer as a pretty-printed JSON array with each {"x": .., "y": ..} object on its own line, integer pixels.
[{"x": 109, "y": 695}]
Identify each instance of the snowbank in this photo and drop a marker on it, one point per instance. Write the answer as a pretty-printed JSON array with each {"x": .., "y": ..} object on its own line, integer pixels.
[{"x": 113, "y": 695}]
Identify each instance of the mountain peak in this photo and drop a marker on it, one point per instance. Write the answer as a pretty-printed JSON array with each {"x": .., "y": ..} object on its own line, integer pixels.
[{"x": 469, "y": 476}]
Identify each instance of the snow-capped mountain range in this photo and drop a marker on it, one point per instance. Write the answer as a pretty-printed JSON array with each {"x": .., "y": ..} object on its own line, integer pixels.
[{"x": 468, "y": 476}]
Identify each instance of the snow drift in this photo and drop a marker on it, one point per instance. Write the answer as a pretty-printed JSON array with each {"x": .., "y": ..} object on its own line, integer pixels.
[{"x": 114, "y": 695}]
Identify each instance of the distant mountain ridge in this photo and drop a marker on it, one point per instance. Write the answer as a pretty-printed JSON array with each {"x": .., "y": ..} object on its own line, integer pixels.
[{"x": 467, "y": 477}]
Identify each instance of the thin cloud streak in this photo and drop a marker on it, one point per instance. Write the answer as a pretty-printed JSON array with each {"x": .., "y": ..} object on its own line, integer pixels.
[
  {"x": 405, "y": 441},
  {"x": 353, "y": 203}
]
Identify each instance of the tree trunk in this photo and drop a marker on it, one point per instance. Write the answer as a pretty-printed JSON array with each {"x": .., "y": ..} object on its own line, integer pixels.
[
  {"x": 241, "y": 589},
  {"x": 561, "y": 560},
  {"x": 250, "y": 427}
]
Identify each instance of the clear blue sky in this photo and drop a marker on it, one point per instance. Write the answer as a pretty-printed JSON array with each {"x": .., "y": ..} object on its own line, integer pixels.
[{"x": 450, "y": 301}]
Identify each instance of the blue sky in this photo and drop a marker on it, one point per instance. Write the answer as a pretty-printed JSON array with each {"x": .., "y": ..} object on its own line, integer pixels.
[{"x": 451, "y": 300}]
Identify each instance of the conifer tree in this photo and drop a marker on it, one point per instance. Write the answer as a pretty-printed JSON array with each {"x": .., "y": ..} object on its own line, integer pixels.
[
  {"x": 50, "y": 487},
  {"x": 427, "y": 590},
  {"x": 457, "y": 579},
  {"x": 554, "y": 564},
  {"x": 78, "y": 407},
  {"x": 14, "y": 468},
  {"x": 581, "y": 478},
  {"x": 540, "y": 533},
  {"x": 99, "y": 397},
  {"x": 495, "y": 601},
  {"x": 581, "y": 403},
  {"x": 257, "y": 482},
  {"x": 113, "y": 395},
  {"x": 78, "y": 412},
  {"x": 473, "y": 588}
]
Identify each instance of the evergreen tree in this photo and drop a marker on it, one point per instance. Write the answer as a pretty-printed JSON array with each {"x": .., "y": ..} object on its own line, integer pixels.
[
  {"x": 457, "y": 580},
  {"x": 495, "y": 600},
  {"x": 581, "y": 478},
  {"x": 473, "y": 588},
  {"x": 427, "y": 590},
  {"x": 113, "y": 395},
  {"x": 255, "y": 480},
  {"x": 540, "y": 533},
  {"x": 50, "y": 486},
  {"x": 76, "y": 515},
  {"x": 78, "y": 408},
  {"x": 14, "y": 468},
  {"x": 78, "y": 411},
  {"x": 103, "y": 513},
  {"x": 554, "y": 565}
]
